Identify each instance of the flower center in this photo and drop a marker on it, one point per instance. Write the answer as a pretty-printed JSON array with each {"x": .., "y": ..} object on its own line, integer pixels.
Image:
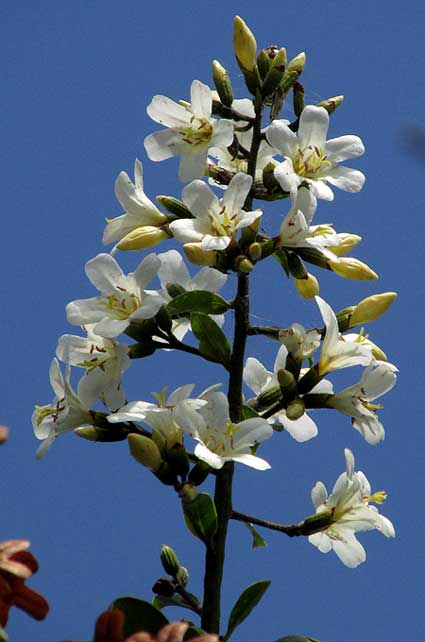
[
  {"x": 222, "y": 224},
  {"x": 310, "y": 161},
  {"x": 49, "y": 411},
  {"x": 199, "y": 132},
  {"x": 122, "y": 306},
  {"x": 378, "y": 498}
]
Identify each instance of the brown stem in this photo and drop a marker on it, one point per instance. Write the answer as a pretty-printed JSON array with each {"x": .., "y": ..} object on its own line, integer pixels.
[{"x": 292, "y": 530}]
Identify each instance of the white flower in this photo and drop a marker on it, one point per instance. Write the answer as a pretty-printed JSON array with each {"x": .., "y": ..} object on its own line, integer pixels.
[
  {"x": 351, "y": 512},
  {"x": 355, "y": 401},
  {"x": 172, "y": 271},
  {"x": 259, "y": 380},
  {"x": 215, "y": 221},
  {"x": 301, "y": 343},
  {"x": 104, "y": 361},
  {"x": 139, "y": 209},
  {"x": 296, "y": 229},
  {"x": 122, "y": 298},
  {"x": 66, "y": 412},
  {"x": 310, "y": 158},
  {"x": 220, "y": 440},
  {"x": 191, "y": 131},
  {"x": 161, "y": 416},
  {"x": 337, "y": 353}
]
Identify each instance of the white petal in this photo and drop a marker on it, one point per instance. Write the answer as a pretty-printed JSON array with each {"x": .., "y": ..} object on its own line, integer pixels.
[
  {"x": 216, "y": 412},
  {"x": 200, "y": 99},
  {"x": 84, "y": 311},
  {"x": 200, "y": 199},
  {"x": 104, "y": 272},
  {"x": 347, "y": 179},
  {"x": 313, "y": 127},
  {"x": 280, "y": 361},
  {"x": 321, "y": 541},
  {"x": 255, "y": 376},
  {"x": 320, "y": 189},
  {"x": 205, "y": 454},
  {"x": 152, "y": 301},
  {"x": 193, "y": 162},
  {"x": 162, "y": 145},
  {"x": 253, "y": 461},
  {"x": 319, "y": 494},
  {"x": 133, "y": 411},
  {"x": 236, "y": 193},
  {"x": 343, "y": 148},
  {"x": 110, "y": 328},
  {"x": 208, "y": 279},
  {"x": 173, "y": 269},
  {"x": 286, "y": 177},
  {"x": 215, "y": 242},
  {"x": 179, "y": 394},
  {"x": 167, "y": 112},
  {"x": 370, "y": 428},
  {"x": 349, "y": 462},
  {"x": 244, "y": 107},
  {"x": 186, "y": 230},
  {"x": 146, "y": 270},
  {"x": 301, "y": 429},
  {"x": 350, "y": 552},
  {"x": 282, "y": 138},
  {"x": 222, "y": 133}
]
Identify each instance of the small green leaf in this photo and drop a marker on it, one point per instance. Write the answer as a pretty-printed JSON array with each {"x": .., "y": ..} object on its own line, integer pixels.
[
  {"x": 257, "y": 540},
  {"x": 296, "y": 638},
  {"x": 282, "y": 258},
  {"x": 140, "y": 615},
  {"x": 200, "y": 516},
  {"x": 247, "y": 600},
  {"x": 213, "y": 342},
  {"x": 198, "y": 301},
  {"x": 248, "y": 413}
]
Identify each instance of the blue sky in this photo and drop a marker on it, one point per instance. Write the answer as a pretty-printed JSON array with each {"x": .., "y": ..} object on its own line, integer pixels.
[{"x": 77, "y": 79}]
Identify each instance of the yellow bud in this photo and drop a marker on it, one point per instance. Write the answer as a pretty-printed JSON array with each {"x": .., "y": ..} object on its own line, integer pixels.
[
  {"x": 309, "y": 287},
  {"x": 245, "y": 266},
  {"x": 350, "y": 268},
  {"x": 244, "y": 44},
  {"x": 142, "y": 238},
  {"x": 145, "y": 451},
  {"x": 197, "y": 255},
  {"x": 330, "y": 104},
  {"x": 254, "y": 251},
  {"x": 346, "y": 243},
  {"x": 371, "y": 308}
]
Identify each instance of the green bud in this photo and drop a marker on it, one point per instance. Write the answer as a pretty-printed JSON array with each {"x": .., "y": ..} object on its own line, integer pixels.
[
  {"x": 169, "y": 560},
  {"x": 188, "y": 492},
  {"x": 269, "y": 181},
  {"x": 286, "y": 379},
  {"x": 343, "y": 317},
  {"x": 143, "y": 349},
  {"x": 269, "y": 397},
  {"x": 330, "y": 104},
  {"x": 178, "y": 460},
  {"x": 174, "y": 289},
  {"x": 297, "y": 64},
  {"x": 316, "y": 523},
  {"x": 222, "y": 83},
  {"x": 182, "y": 575},
  {"x": 245, "y": 266},
  {"x": 244, "y": 44},
  {"x": 299, "y": 102},
  {"x": 94, "y": 433},
  {"x": 163, "y": 587},
  {"x": 254, "y": 251},
  {"x": 295, "y": 409},
  {"x": 275, "y": 73},
  {"x": 267, "y": 248},
  {"x": 174, "y": 206},
  {"x": 145, "y": 451},
  {"x": 296, "y": 266},
  {"x": 199, "y": 473},
  {"x": 263, "y": 63},
  {"x": 140, "y": 329}
]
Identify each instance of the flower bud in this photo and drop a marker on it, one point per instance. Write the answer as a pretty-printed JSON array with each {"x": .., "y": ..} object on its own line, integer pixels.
[
  {"x": 163, "y": 587},
  {"x": 295, "y": 409},
  {"x": 371, "y": 308},
  {"x": 174, "y": 289},
  {"x": 346, "y": 243},
  {"x": 350, "y": 268},
  {"x": 275, "y": 73},
  {"x": 182, "y": 575},
  {"x": 197, "y": 255},
  {"x": 243, "y": 264},
  {"x": 299, "y": 102},
  {"x": 222, "y": 83},
  {"x": 269, "y": 181},
  {"x": 343, "y": 317},
  {"x": 169, "y": 560},
  {"x": 163, "y": 319},
  {"x": 95, "y": 433},
  {"x": 297, "y": 64},
  {"x": 286, "y": 379},
  {"x": 142, "y": 238},
  {"x": 296, "y": 266},
  {"x": 145, "y": 451},
  {"x": 308, "y": 288},
  {"x": 244, "y": 44},
  {"x": 174, "y": 206},
  {"x": 254, "y": 251},
  {"x": 330, "y": 104},
  {"x": 269, "y": 397},
  {"x": 263, "y": 63}
]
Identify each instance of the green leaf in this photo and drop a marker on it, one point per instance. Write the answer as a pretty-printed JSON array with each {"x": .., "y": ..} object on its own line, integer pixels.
[
  {"x": 248, "y": 413},
  {"x": 140, "y": 615},
  {"x": 247, "y": 600},
  {"x": 192, "y": 632},
  {"x": 200, "y": 516},
  {"x": 296, "y": 638},
  {"x": 257, "y": 540},
  {"x": 198, "y": 301},
  {"x": 213, "y": 342},
  {"x": 282, "y": 258}
]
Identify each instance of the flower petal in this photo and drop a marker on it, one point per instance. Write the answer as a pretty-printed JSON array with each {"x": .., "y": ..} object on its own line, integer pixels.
[
  {"x": 346, "y": 178},
  {"x": 313, "y": 127},
  {"x": 343, "y": 148}
]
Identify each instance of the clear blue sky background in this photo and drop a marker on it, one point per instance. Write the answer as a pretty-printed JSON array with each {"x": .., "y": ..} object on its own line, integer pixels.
[{"x": 77, "y": 77}]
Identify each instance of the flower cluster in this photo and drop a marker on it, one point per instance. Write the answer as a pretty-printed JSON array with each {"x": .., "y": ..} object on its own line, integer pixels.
[{"x": 229, "y": 158}]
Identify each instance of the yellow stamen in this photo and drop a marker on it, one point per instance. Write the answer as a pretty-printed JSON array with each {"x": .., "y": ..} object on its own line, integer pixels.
[{"x": 378, "y": 498}]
